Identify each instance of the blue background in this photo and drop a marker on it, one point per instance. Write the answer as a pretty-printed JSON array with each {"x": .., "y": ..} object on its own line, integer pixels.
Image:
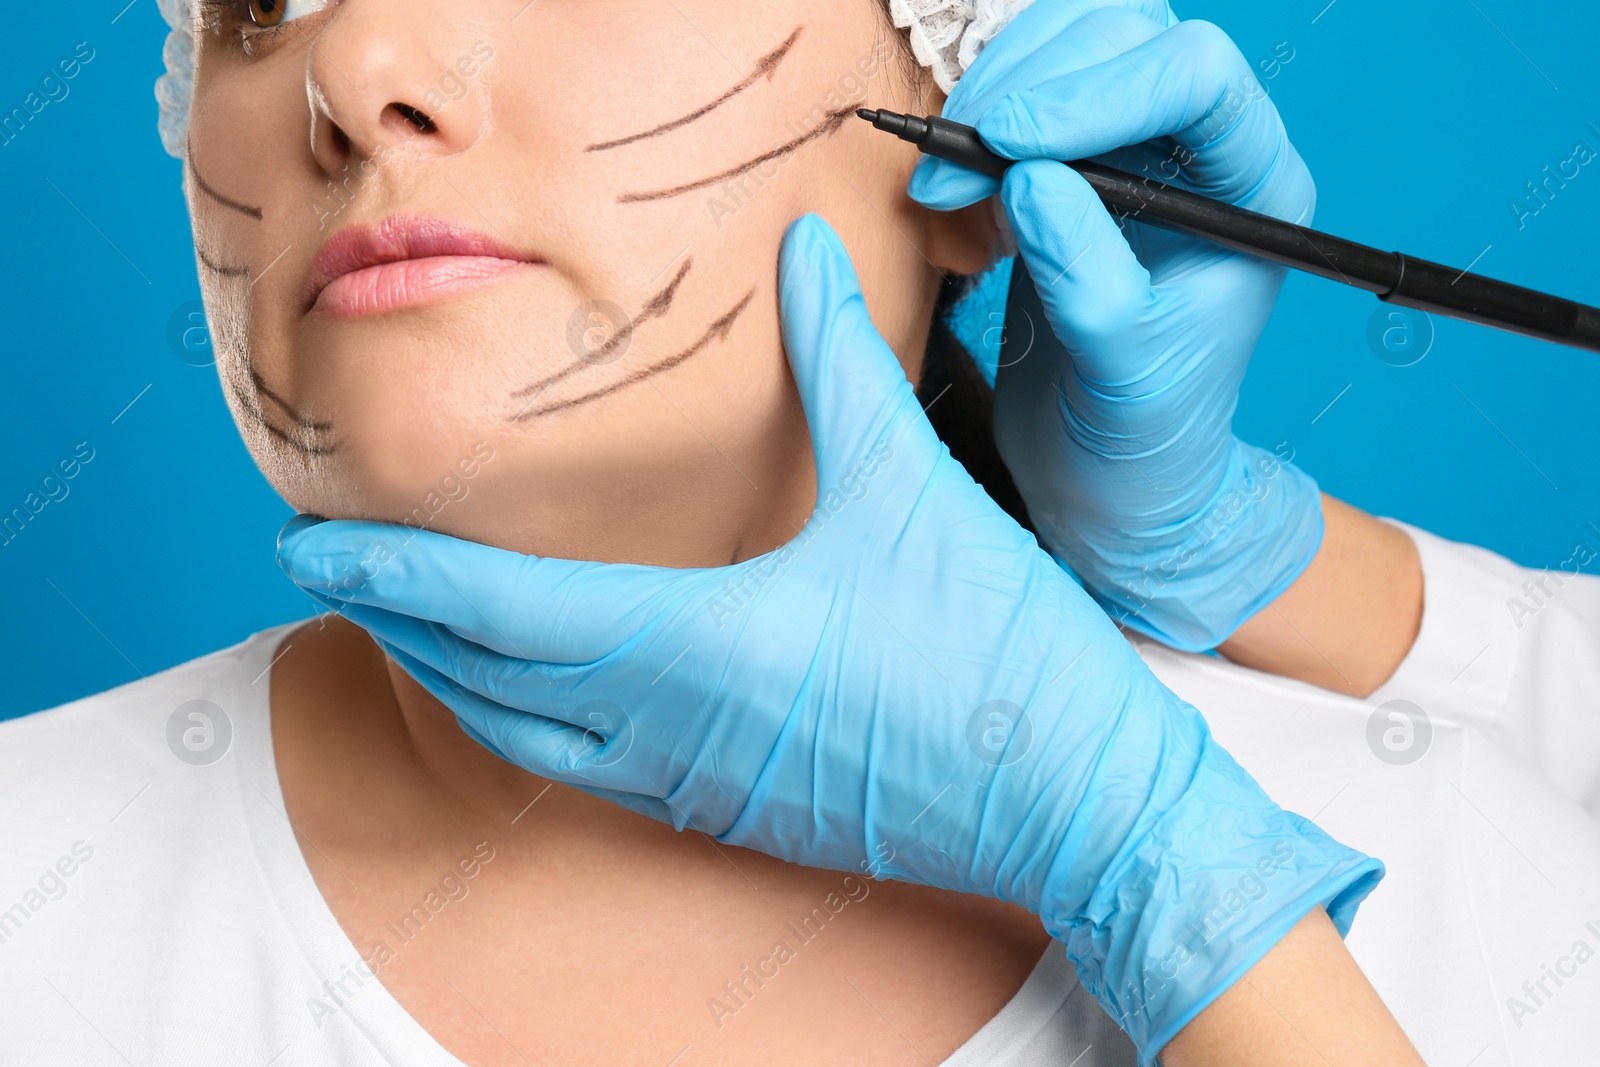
[{"x": 1422, "y": 122}]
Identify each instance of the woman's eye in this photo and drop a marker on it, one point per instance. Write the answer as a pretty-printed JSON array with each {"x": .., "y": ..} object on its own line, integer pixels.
[{"x": 269, "y": 13}]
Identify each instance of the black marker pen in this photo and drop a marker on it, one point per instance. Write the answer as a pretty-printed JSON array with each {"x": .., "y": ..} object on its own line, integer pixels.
[{"x": 1392, "y": 276}]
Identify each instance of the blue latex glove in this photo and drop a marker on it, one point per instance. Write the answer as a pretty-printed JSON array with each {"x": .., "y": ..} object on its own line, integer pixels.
[
  {"x": 911, "y": 688},
  {"x": 1117, "y": 425}
]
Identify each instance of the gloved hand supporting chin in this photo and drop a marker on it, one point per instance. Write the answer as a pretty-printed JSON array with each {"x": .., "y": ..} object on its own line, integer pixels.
[{"x": 910, "y": 687}]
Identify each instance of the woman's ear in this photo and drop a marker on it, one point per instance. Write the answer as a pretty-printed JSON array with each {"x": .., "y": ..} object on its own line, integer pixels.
[{"x": 964, "y": 240}]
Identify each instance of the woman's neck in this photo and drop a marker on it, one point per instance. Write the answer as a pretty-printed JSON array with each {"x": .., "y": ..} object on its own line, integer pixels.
[{"x": 353, "y": 730}]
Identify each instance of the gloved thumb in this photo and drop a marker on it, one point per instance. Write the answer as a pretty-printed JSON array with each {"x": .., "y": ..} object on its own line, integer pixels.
[
  {"x": 535, "y": 608},
  {"x": 854, "y": 391}
]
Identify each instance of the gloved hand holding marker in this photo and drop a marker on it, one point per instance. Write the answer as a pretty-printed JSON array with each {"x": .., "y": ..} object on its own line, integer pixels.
[
  {"x": 1116, "y": 422},
  {"x": 1013, "y": 132}
]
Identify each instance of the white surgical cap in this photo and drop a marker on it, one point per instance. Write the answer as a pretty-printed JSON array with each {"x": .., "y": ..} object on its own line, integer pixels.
[
  {"x": 946, "y": 36},
  {"x": 175, "y": 86}
]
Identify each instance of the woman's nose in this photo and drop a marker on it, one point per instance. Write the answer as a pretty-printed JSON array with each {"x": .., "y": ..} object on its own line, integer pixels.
[{"x": 390, "y": 77}]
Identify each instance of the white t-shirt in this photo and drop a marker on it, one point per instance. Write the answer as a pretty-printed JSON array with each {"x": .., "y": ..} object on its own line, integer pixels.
[{"x": 155, "y": 910}]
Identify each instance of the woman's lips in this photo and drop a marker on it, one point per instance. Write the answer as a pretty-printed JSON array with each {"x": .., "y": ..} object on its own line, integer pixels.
[
  {"x": 405, "y": 261},
  {"x": 407, "y": 283}
]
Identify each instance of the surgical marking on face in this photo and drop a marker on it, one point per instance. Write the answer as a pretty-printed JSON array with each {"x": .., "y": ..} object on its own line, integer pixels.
[
  {"x": 306, "y": 434},
  {"x": 217, "y": 268},
  {"x": 253, "y": 408},
  {"x": 654, "y": 308},
  {"x": 225, "y": 201},
  {"x": 765, "y": 68},
  {"x": 717, "y": 331},
  {"x": 300, "y": 420},
  {"x": 834, "y": 120}
]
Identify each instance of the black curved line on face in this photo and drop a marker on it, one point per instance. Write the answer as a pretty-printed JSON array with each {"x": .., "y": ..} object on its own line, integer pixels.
[
  {"x": 717, "y": 331},
  {"x": 834, "y": 120},
  {"x": 217, "y": 268},
  {"x": 654, "y": 308},
  {"x": 225, "y": 201},
  {"x": 299, "y": 420},
  {"x": 765, "y": 67},
  {"x": 252, "y": 408},
  {"x": 299, "y": 446}
]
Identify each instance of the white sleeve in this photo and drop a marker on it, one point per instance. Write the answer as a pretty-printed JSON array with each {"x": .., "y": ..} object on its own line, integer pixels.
[{"x": 1515, "y": 650}]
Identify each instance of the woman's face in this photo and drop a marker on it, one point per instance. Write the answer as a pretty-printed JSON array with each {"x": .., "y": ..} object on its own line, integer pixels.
[{"x": 581, "y": 354}]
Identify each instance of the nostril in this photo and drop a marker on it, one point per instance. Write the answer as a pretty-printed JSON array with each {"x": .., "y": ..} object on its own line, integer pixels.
[{"x": 416, "y": 118}]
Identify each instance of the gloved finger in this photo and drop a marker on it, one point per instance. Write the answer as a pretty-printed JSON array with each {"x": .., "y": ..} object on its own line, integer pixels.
[
  {"x": 1044, "y": 42},
  {"x": 537, "y": 743},
  {"x": 504, "y": 680},
  {"x": 543, "y": 746},
  {"x": 1189, "y": 83},
  {"x": 609, "y": 767},
  {"x": 1093, "y": 288},
  {"x": 854, "y": 391},
  {"x": 944, "y": 186},
  {"x": 527, "y": 607}
]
